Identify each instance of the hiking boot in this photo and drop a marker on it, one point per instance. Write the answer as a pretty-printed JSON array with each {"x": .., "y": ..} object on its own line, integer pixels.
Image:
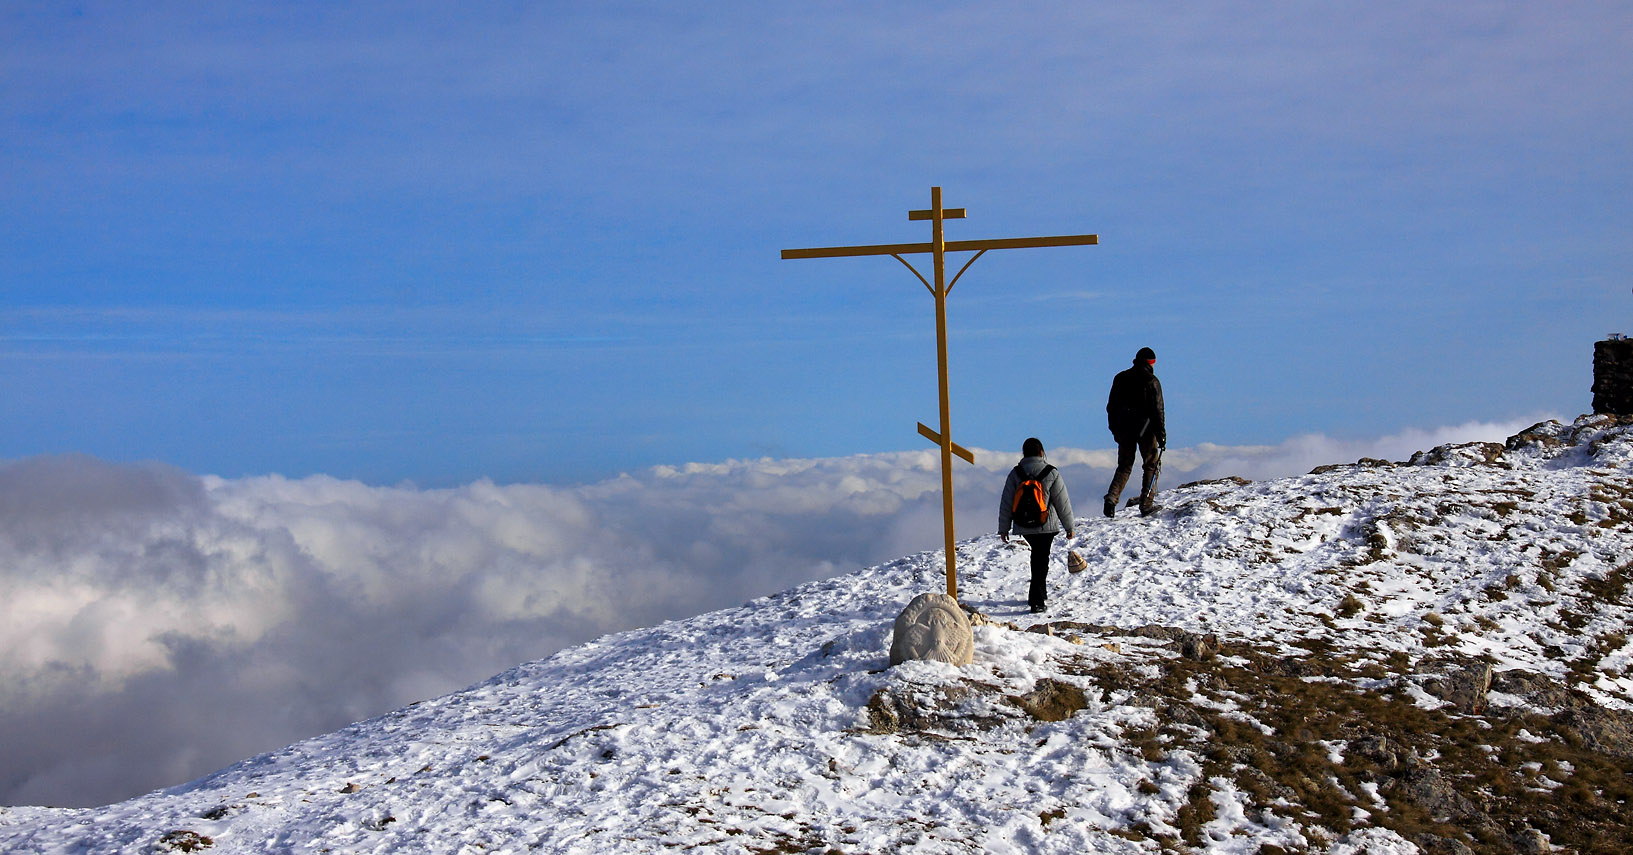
[
  {"x": 1038, "y": 609},
  {"x": 1111, "y": 507},
  {"x": 1148, "y": 506}
]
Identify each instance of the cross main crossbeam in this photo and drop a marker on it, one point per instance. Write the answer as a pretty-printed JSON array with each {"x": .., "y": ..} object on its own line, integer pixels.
[{"x": 949, "y": 246}]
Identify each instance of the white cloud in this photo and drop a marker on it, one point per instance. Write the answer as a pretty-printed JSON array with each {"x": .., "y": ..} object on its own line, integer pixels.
[{"x": 156, "y": 625}]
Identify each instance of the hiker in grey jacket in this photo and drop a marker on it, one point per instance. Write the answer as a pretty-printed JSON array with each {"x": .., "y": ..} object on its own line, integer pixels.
[{"x": 1039, "y": 537}]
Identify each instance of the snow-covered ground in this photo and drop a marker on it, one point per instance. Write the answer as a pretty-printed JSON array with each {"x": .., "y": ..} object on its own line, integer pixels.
[{"x": 758, "y": 728}]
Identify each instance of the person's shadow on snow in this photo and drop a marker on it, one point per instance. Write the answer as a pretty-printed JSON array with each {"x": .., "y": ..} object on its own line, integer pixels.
[{"x": 1003, "y": 608}]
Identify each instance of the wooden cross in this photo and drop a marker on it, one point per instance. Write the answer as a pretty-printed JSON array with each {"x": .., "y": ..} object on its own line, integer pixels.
[{"x": 938, "y": 248}]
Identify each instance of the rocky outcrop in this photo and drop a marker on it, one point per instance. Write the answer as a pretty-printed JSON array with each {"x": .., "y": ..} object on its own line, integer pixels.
[
  {"x": 1233, "y": 480},
  {"x": 957, "y": 708},
  {"x": 1460, "y": 454},
  {"x": 1051, "y": 700},
  {"x": 1601, "y": 729},
  {"x": 1590, "y": 432},
  {"x": 1198, "y": 646},
  {"x": 1537, "y": 690},
  {"x": 968, "y": 706},
  {"x": 183, "y": 840},
  {"x": 1363, "y": 463},
  {"x": 1463, "y": 685}
]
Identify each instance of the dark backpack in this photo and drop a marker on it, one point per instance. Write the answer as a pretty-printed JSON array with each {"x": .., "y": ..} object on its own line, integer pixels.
[{"x": 1030, "y": 508}]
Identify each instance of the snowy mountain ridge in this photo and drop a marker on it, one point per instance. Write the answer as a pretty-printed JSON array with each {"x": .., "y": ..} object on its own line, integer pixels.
[{"x": 1379, "y": 657}]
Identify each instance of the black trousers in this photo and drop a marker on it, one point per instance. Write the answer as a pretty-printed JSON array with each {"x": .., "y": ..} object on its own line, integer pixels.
[
  {"x": 1151, "y": 465},
  {"x": 1037, "y": 596}
]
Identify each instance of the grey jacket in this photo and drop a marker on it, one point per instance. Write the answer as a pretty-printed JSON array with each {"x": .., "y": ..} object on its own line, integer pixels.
[{"x": 1060, "y": 505}]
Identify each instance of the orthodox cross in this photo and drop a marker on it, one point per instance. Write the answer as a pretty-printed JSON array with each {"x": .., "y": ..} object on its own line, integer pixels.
[{"x": 938, "y": 249}]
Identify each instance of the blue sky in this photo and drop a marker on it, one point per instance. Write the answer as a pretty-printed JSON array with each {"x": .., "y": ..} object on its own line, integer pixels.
[{"x": 539, "y": 242}]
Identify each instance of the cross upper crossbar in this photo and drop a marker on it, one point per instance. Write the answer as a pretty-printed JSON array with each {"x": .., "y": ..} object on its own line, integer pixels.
[{"x": 930, "y": 214}]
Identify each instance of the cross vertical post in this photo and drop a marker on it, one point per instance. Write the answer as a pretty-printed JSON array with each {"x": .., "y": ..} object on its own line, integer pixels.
[
  {"x": 938, "y": 247},
  {"x": 939, "y": 252}
]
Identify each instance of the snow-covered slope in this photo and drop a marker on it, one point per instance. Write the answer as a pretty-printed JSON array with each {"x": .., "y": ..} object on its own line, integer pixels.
[{"x": 1357, "y": 610}]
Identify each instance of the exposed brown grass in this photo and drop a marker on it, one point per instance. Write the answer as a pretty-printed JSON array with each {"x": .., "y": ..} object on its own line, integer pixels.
[{"x": 1441, "y": 776}]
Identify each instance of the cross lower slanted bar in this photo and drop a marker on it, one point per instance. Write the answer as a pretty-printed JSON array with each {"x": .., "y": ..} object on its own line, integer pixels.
[{"x": 938, "y": 248}]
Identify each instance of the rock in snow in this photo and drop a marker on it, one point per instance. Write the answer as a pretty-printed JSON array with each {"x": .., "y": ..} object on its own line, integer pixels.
[
  {"x": 1422, "y": 657},
  {"x": 932, "y": 627}
]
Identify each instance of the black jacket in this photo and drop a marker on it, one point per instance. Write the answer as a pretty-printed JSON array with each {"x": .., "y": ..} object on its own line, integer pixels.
[{"x": 1134, "y": 408}]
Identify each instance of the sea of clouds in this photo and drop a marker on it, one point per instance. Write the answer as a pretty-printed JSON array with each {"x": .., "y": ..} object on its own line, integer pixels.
[{"x": 156, "y": 625}]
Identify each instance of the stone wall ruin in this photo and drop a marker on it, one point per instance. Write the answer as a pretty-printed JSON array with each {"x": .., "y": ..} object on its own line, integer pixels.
[{"x": 1613, "y": 376}]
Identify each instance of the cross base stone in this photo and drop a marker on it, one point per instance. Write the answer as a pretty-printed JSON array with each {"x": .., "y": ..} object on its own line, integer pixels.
[{"x": 933, "y": 627}]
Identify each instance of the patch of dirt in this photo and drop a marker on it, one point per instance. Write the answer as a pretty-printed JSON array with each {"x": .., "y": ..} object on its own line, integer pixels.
[
  {"x": 1306, "y": 743},
  {"x": 183, "y": 840}
]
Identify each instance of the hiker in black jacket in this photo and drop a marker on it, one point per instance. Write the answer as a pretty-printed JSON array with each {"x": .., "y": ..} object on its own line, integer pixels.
[
  {"x": 1135, "y": 415},
  {"x": 1017, "y": 506}
]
